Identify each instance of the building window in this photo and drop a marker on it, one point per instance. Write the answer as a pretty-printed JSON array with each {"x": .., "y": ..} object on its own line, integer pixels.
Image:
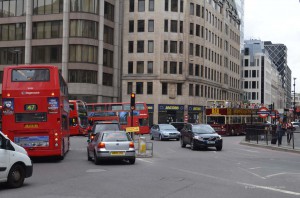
[
  {"x": 166, "y": 5},
  {"x": 108, "y": 58},
  {"x": 165, "y": 67},
  {"x": 12, "y": 32},
  {"x": 131, "y": 26},
  {"x": 173, "y": 67},
  {"x": 166, "y": 26},
  {"x": 165, "y": 46},
  {"x": 151, "y": 5},
  {"x": 174, "y": 26},
  {"x": 12, "y": 55},
  {"x": 151, "y": 26},
  {"x": 179, "y": 89},
  {"x": 129, "y": 87},
  {"x": 79, "y": 28},
  {"x": 180, "y": 68},
  {"x": 191, "y": 49},
  {"x": 141, "y": 26},
  {"x": 82, "y": 54},
  {"x": 47, "y": 54},
  {"x": 108, "y": 36},
  {"x": 130, "y": 47},
  {"x": 109, "y": 11},
  {"x": 173, "y": 46},
  {"x": 140, "y": 67},
  {"x": 246, "y": 62},
  {"x": 12, "y": 8},
  {"x": 150, "y": 46},
  {"x": 149, "y": 88},
  {"x": 181, "y": 27},
  {"x": 131, "y": 6},
  {"x": 141, "y": 5},
  {"x": 181, "y": 5},
  {"x": 197, "y": 90},
  {"x": 150, "y": 67},
  {"x": 107, "y": 79},
  {"x": 191, "y": 9},
  {"x": 191, "y": 89},
  {"x": 174, "y": 5},
  {"x": 191, "y": 28},
  {"x": 140, "y": 46},
  {"x": 91, "y": 6},
  {"x": 139, "y": 87},
  {"x": 197, "y": 73},
  {"x": 82, "y": 76},
  {"x": 130, "y": 67},
  {"x": 191, "y": 69},
  {"x": 164, "y": 88},
  {"x": 41, "y": 7}
]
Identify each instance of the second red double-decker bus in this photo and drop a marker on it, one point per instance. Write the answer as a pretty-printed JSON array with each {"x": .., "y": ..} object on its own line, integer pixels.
[
  {"x": 36, "y": 109},
  {"x": 78, "y": 118},
  {"x": 228, "y": 119},
  {"x": 121, "y": 113}
]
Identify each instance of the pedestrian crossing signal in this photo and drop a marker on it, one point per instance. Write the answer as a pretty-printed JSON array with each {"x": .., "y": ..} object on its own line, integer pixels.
[{"x": 132, "y": 101}]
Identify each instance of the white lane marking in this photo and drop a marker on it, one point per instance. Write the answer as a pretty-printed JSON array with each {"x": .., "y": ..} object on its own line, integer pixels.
[
  {"x": 95, "y": 170},
  {"x": 254, "y": 168},
  {"x": 252, "y": 173},
  {"x": 143, "y": 160},
  {"x": 269, "y": 188},
  {"x": 268, "y": 176}
]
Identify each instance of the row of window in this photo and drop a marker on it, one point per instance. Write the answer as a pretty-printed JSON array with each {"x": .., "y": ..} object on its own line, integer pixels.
[
  {"x": 141, "y": 5},
  {"x": 250, "y": 85},
  {"x": 11, "y": 32},
  {"x": 251, "y": 96},
  {"x": 193, "y": 90},
  {"x": 12, "y": 8},
  {"x": 88, "y": 76},
  {"x": 255, "y": 63},
  {"x": 250, "y": 74}
]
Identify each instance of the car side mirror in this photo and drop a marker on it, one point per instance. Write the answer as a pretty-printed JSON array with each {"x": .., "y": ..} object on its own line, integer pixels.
[{"x": 8, "y": 145}]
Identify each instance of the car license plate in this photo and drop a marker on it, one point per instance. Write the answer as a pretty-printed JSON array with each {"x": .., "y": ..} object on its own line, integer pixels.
[
  {"x": 210, "y": 142},
  {"x": 117, "y": 153}
]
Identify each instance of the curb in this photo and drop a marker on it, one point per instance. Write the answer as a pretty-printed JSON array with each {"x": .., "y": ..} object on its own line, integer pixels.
[{"x": 285, "y": 149}]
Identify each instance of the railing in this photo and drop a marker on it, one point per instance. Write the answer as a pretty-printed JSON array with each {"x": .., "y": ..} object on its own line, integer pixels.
[{"x": 267, "y": 135}]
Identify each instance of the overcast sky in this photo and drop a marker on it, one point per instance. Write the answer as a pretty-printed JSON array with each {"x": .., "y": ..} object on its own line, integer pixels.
[{"x": 277, "y": 21}]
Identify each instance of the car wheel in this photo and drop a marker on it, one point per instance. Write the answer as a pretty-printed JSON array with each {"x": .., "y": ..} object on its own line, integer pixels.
[
  {"x": 96, "y": 159},
  {"x": 88, "y": 155},
  {"x": 16, "y": 176},
  {"x": 219, "y": 148},
  {"x": 177, "y": 139},
  {"x": 193, "y": 147},
  {"x": 182, "y": 143},
  {"x": 131, "y": 161},
  {"x": 151, "y": 136},
  {"x": 161, "y": 138}
]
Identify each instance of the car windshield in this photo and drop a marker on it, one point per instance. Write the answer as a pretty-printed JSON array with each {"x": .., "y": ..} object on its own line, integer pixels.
[
  {"x": 106, "y": 127},
  {"x": 167, "y": 127},
  {"x": 116, "y": 137},
  {"x": 203, "y": 129}
]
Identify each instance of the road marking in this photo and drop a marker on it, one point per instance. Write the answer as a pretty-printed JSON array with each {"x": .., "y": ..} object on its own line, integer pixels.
[
  {"x": 254, "y": 168},
  {"x": 251, "y": 151},
  {"x": 270, "y": 188},
  {"x": 95, "y": 170},
  {"x": 143, "y": 160},
  {"x": 268, "y": 176},
  {"x": 252, "y": 173}
]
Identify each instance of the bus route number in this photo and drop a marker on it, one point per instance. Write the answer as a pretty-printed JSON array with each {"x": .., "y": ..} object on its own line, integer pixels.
[{"x": 30, "y": 107}]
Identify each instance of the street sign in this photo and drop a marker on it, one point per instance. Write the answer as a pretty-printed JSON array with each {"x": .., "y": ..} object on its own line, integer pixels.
[
  {"x": 132, "y": 129},
  {"x": 263, "y": 112},
  {"x": 274, "y": 114}
]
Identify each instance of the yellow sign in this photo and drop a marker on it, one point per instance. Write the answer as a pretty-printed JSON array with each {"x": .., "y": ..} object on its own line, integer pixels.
[
  {"x": 132, "y": 129},
  {"x": 31, "y": 126},
  {"x": 215, "y": 111}
]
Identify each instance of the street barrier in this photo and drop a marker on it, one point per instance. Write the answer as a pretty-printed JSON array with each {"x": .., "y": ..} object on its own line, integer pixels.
[{"x": 143, "y": 148}]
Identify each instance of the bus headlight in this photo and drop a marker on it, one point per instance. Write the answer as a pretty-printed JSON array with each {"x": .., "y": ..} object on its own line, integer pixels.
[
  {"x": 56, "y": 139},
  {"x": 56, "y": 144}
]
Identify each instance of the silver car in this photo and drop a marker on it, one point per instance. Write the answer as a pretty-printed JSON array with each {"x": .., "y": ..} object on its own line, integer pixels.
[
  {"x": 111, "y": 145},
  {"x": 164, "y": 132}
]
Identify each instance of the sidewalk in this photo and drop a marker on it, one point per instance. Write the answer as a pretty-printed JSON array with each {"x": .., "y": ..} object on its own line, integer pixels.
[{"x": 265, "y": 142}]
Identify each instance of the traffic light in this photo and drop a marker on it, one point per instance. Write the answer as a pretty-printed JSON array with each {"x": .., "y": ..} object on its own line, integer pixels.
[
  {"x": 271, "y": 106},
  {"x": 132, "y": 101}
]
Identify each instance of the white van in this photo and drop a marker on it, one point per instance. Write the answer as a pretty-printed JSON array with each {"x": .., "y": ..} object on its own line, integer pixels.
[{"x": 15, "y": 165}]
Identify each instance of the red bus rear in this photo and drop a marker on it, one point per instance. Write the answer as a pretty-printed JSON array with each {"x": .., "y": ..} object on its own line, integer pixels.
[
  {"x": 78, "y": 117},
  {"x": 36, "y": 109},
  {"x": 121, "y": 113}
]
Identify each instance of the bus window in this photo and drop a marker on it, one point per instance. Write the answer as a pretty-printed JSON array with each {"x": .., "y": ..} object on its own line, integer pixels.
[
  {"x": 139, "y": 107},
  {"x": 100, "y": 108},
  {"x": 116, "y": 107}
]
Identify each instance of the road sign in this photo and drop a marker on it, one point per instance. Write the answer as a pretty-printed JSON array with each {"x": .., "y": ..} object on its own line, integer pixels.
[
  {"x": 263, "y": 112},
  {"x": 274, "y": 114},
  {"x": 132, "y": 129}
]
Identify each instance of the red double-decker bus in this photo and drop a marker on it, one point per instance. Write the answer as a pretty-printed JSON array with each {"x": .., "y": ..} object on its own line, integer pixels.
[
  {"x": 36, "y": 109},
  {"x": 78, "y": 118},
  {"x": 229, "y": 119},
  {"x": 121, "y": 113}
]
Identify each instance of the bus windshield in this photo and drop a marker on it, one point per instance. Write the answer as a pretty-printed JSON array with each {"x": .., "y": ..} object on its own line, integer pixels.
[
  {"x": 32, "y": 75},
  {"x": 215, "y": 119}
]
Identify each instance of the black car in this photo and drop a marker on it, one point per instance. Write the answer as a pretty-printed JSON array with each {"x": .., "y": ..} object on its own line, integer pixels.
[
  {"x": 103, "y": 126},
  {"x": 178, "y": 125},
  {"x": 200, "y": 136}
]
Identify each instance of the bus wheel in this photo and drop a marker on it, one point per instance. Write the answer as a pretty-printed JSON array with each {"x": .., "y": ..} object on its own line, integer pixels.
[
  {"x": 16, "y": 176},
  {"x": 62, "y": 155}
]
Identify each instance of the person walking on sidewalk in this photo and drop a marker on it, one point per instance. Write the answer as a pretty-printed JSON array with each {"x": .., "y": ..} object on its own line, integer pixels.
[
  {"x": 289, "y": 132},
  {"x": 279, "y": 131}
]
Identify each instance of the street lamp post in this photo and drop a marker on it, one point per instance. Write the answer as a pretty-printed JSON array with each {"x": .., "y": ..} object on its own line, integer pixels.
[{"x": 294, "y": 99}]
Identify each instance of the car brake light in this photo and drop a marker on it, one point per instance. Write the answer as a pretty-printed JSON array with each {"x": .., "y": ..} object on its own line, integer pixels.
[
  {"x": 101, "y": 145},
  {"x": 131, "y": 145}
]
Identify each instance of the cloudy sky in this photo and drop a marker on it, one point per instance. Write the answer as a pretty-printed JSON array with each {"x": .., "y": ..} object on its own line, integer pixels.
[{"x": 277, "y": 21}]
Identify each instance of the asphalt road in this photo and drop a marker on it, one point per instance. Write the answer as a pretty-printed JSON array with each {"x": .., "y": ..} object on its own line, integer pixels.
[{"x": 236, "y": 171}]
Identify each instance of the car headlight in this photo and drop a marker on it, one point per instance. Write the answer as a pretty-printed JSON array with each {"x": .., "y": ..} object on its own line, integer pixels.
[
  {"x": 164, "y": 133},
  {"x": 198, "y": 137},
  {"x": 219, "y": 138}
]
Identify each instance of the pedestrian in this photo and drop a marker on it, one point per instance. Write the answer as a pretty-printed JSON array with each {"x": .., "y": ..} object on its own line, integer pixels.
[
  {"x": 289, "y": 132},
  {"x": 279, "y": 130}
]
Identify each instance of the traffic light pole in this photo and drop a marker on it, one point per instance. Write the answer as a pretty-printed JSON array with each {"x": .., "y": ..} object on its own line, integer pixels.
[{"x": 132, "y": 136}]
